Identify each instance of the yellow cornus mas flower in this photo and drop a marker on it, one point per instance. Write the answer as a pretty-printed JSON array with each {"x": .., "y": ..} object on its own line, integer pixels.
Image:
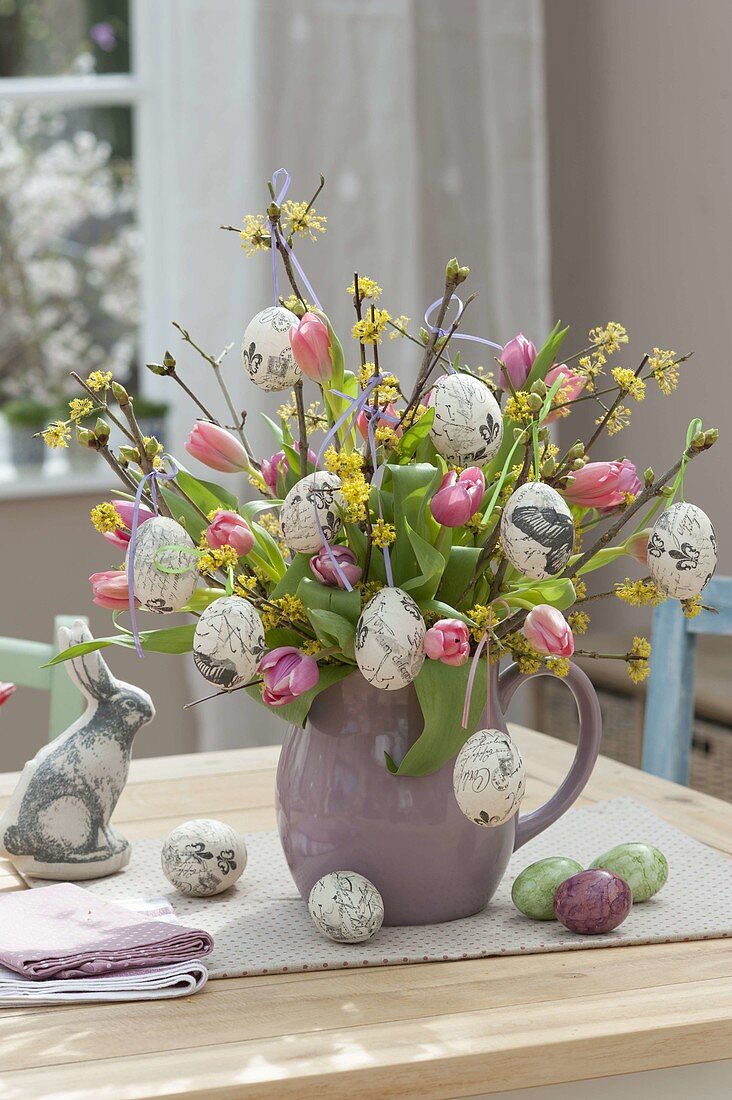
[
  {"x": 218, "y": 559},
  {"x": 691, "y": 607},
  {"x": 105, "y": 518},
  {"x": 80, "y": 407},
  {"x": 629, "y": 383},
  {"x": 99, "y": 380},
  {"x": 559, "y": 666},
  {"x": 299, "y": 219},
  {"x": 255, "y": 234},
  {"x": 367, "y": 288},
  {"x": 399, "y": 327},
  {"x": 610, "y": 338},
  {"x": 244, "y": 585},
  {"x": 383, "y": 533},
  {"x": 665, "y": 370},
  {"x": 639, "y": 593},
  {"x": 369, "y": 331},
  {"x": 56, "y": 435},
  {"x": 637, "y": 664}
]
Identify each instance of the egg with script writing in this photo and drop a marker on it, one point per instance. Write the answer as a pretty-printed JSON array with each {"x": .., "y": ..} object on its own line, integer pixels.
[
  {"x": 682, "y": 551},
  {"x": 310, "y": 512},
  {"x": 162, "y": 545},
  {"x": 642, "y": 866},
  {"x": 390, "y": 640},
  {"x": 346, "y": 907},
  {"x": 468, "y": 427},
  {"x": 592, "y": 902},
  {"x": 537, "y": 531},
  {"x": 266, "y": 351},
  {"x": 489, "y": 779},
  {"x": 203, "y": 857},
  {"x": 534, "y": 889},
  {"x": 229, "y": 642}
]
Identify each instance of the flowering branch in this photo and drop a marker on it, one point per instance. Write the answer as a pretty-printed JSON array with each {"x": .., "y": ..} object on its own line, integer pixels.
[{"x": 608, "y": 415}]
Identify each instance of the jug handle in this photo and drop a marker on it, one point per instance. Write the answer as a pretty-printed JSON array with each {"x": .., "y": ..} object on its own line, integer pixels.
[{"x": 588, "y": 746}]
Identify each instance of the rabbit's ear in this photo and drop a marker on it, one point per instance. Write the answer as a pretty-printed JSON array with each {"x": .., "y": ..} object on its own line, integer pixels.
[{"x": 90, "y": 670}]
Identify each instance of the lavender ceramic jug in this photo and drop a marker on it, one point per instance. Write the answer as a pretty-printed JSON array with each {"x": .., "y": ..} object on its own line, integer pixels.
[{"x": 339, "y": 809}]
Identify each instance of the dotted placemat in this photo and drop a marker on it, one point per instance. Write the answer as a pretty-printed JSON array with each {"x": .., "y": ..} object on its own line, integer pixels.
[{"x": 261, "y": 925}]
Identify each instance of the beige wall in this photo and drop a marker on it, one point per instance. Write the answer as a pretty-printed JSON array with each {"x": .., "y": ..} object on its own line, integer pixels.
[
  {"x": 48, "y": 549},
  {"x": 640, "y": 144}
]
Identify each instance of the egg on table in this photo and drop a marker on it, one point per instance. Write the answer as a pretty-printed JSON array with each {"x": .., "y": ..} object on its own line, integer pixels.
[
  {"x": 266, "y": 351},
  {"x": 489, "y": 779},
  {"x": 311, "y": 512},
  {"x": 468, "y": 427},
  {"x": 592, "y": 902},
  {"x": 537, "y": 530},
  {"x": 642, "y": 866},
  {"x": 390, "y": 640},
  {"x": 156, "y": 589},
  {"x": 533, "y": 890},
  {"x": 203, "y": 857},
  {"x": 346, "y": 907},
  {"x": 228, "y": 643},
  {"x": 682, "y": 551}
]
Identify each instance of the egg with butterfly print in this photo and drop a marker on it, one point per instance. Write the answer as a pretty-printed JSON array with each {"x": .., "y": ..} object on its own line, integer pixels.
[
  {"x": 266, "y": 351},
  {"x": 537, "y": 531},
  {"x": 682, "y": 551},
  {"x": 163, "y": 545},
  {"x": 310, "y": 512},
  {"x": 390, "y": 640},
  {"x": 228, "y": 643},
  {"x": 467, "y": 427}
]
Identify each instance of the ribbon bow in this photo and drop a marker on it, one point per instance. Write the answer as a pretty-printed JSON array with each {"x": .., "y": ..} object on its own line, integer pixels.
[{"x": 284, "y": 175}]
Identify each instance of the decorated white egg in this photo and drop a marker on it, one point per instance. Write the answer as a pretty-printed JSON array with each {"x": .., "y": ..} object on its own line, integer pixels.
[
  {"x": 266, "y": 351},
  {"x": 229, "y": 642},
  {"x": 390, "y": 640},
  {"x": 682, "y": 551},
  {"x": 346, "y": 907},
  {"x": 203, "y": 857},
  {"x": 162, "y": 542},
  {"x": 489, "y": 778},
  {"x": 467, "y": 427},
  {"x": 537, "y": 530},
  {"x": 314, "y": 500}
]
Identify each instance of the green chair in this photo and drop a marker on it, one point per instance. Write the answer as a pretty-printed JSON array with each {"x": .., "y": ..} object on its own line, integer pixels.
[{"x": 21, "y": 663}]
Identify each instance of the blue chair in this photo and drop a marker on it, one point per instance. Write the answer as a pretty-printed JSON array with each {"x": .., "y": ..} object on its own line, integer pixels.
[
  {"x": 21, "y": 663},
  {"x": 669, "y": 717}
]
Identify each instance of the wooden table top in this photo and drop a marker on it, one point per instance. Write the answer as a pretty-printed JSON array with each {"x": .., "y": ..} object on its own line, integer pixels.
[{"x": 437, "y": 1030}]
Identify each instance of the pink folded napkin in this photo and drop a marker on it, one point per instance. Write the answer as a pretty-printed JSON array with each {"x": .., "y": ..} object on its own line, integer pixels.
[{"x": 63, "y": 931}]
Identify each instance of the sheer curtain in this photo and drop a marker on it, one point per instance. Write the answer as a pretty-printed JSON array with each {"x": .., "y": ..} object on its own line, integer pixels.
[{"x": 427, "y": 120}]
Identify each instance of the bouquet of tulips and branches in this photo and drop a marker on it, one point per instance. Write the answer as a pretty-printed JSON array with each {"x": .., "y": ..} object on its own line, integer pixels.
[{"x": 399, "y": 533}]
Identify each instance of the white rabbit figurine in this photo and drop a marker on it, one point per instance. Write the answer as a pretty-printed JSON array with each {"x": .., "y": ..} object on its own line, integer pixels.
[{"x": 56, "y": 824}]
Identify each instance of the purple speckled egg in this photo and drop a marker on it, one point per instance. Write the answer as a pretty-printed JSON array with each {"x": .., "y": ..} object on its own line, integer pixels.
[{"x": 592, "y": 902}]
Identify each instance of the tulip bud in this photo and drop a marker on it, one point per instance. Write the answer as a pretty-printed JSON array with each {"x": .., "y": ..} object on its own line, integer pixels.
[
  {"x": 102, "y": 430},
  {"x": 120, "y": 393}
]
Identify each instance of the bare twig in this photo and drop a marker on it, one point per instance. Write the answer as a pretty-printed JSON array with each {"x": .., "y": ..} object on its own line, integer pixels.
[{"x": 301, "y": 425}]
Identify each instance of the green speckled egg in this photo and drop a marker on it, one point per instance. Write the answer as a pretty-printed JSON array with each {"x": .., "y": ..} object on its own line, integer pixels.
[
  {"x": 643, "y": 867},
  {"x": 534, "y": 889}
]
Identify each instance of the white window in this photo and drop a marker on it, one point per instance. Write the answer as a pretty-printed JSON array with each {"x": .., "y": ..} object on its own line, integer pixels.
[{"x": 78, "y": 121}]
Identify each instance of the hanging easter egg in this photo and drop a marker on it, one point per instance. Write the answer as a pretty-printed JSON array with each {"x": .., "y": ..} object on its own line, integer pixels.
[
  {"x": 467, "y": 427},
  {"x": 162, "y": 544},
  {"x": 346, "y": 907},
  {"x": 266, "y": 351},
  {"x": 229, "y": 642},
  {"x": 489, "y": 778},
  {"x": 390, "y": 640},
  {"x": 203, "y": 857},
  {"x": 537, "y": 531},
  {"x": 314, "y": 500},
  {"x": 682, "y": 551}
]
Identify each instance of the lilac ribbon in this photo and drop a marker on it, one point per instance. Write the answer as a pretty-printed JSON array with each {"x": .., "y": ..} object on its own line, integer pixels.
[
  {"x": 484, "y": 641},
  {"x": 456, "y": 335},
  {"x": 374, "y": 415},
  {"x": 284, "y": 175},
  {"x": 153, "y": 477}
]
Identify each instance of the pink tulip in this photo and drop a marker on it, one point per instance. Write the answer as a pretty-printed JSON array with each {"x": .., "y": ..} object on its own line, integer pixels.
[
  {"x": 230, "y": 529},
  {"x": 6, "y": 690},
  {"x": 448, "y": 641},
  {"x": 325, "y": 571},
  {"x": 110, "y": 590},
  {"x": 517, "y": 358},
  {"x": 271, "y": 467},
  {"x": 388, "y": 419},
  {"x": 287, "y": 674},
  {"x": 603, "y": 485},
  {"x": 310, "y": 342},
  {"x": 637, "y": 546},
  {"x": 569, "y": 390},
  {"x": 547, "y": 630},
  {"x": 125, "y": 508},
  {"x": 459, "y": 497},
  {"x": 217, "y": 448}
]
